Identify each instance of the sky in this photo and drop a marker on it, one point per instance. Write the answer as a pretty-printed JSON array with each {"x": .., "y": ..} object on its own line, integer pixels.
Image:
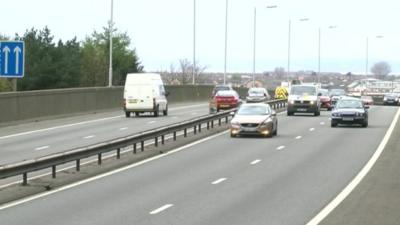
[{"x": 162, "y": 30}]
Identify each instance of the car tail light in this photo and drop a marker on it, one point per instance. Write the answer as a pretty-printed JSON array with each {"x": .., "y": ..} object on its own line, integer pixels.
[
  {"x": 124, "y": 102},
  {"x": 154, "y": 103}
]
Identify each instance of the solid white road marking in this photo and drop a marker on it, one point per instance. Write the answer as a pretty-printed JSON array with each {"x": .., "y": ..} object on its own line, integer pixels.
[
  {"x": 41, "y": 195},
  {"x": 123, "y": 128},
  {"x": 162, "y": 208},
  {"x": 194, "y": 113},
  {"x": 312, "y": 129},
  {"x": 86, "y": 122},
  {"x": 42, "y": 148},
  {"x": 280, "y": 147},
  {"x": 89, "y": 137},
  {"x": 255, "y": 161},
  {"x": 150, "y": 122},
  {"x": 298, "y": 137},
  {"x": 353, "y": 184},
  {"x": 174, "y": 117},
  {"x": 322, "y": 123},
  {"x": 219, "y": 180}
]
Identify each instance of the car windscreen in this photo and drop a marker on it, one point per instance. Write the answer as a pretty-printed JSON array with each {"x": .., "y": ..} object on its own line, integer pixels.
[
  {"x": 337, "y": 92},
  {"x": 303, "y": 90},
  {"x": 366, "y": 97},
  {"x": 226, "y": 93},
  {"x": 256, "y": 92},
  {"x": 253, "y": 110},
  {"x": 348, "y": 104},
  {"x": 222, "y": 88}
]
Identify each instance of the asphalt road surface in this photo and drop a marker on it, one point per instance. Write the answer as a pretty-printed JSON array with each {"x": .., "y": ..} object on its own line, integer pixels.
[
  {"x": 28, "y": 141},
  {"x": 287, "y": 180}
]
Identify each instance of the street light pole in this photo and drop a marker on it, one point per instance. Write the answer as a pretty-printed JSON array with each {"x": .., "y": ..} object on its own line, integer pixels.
[
  {"x": 319, "y": 54},
  {"x": 254, "y": 45},
  {"x": 366, "y": 57},
  {"x": 226, "y": 37},
  {"x": 110, "y": 71},
  {"x": 194, "y": 42},
  {"x": 288, "y": 61}
]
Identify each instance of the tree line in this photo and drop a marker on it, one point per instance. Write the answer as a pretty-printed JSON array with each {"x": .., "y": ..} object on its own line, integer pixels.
[{"x": 73, "y": 63}]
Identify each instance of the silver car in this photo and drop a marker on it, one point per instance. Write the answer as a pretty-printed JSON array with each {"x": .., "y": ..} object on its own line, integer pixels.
[{"x": 254, "y": 119}]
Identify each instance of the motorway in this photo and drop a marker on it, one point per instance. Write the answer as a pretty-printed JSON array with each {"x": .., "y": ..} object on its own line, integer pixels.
[
  {"x": 28, "y": 141},
  {"x": 287, "y": 180}
]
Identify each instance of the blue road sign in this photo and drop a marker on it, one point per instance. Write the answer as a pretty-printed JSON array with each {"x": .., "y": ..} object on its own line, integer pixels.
[{"x": 12, "y": 59}]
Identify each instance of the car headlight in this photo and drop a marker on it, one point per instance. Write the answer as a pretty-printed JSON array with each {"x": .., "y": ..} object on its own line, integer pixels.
[
  {"x": 359, "y": 114},
  {"x": 312, "y": 102},
  {"x": 384, "y": 98},
  {"x": 397, "y": 99},
  {"x": 335, "y": 114},
  {"x": 291, "y": 102}
]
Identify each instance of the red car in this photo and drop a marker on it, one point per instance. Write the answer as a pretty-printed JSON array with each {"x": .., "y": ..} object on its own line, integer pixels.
[
  {"x": 367, "y": 100},
  {"x": 325, "y": 100},
  {"x": 227, "y": 99}
]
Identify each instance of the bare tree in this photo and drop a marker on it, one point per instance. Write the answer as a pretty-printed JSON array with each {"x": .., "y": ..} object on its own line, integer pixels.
[
  {"x": 186, "y": 71},
  {"x": 381, "y": 69}
]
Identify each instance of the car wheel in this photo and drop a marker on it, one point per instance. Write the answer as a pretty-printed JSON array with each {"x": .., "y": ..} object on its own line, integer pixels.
[
  {"x": 136, "y": 113},
  {"x": 127, "y": 114},
  {"x": 233, "y": 135},
  {"x": 165, "y": 112},
  {"x": 365, "y": 124},
  {"x": 156, "y": 112},
  {"x": 289, "y": 113},
  {"x": 218, "y": 110},
  {"x": 333, "y": 124},
  {"x": 317, "y": 113}
]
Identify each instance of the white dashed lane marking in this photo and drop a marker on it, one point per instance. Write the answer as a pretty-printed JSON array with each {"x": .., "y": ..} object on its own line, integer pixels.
[
  {"x": 322, "y": 123},
  {"x": 280, "y": 147},
  {"x": 255, "y": 161},
  {"x": 150, "y": 122},
  {"x": 42, "y": 148},
  {"x": 89, "y": 137},
  {"x": 312, "y": 129},
  {"x": 298, "y": 137},
  {"x": 219, "y": 181},
  {"x": 162, "y": 208},
  {"x": 123, "y": 128}
]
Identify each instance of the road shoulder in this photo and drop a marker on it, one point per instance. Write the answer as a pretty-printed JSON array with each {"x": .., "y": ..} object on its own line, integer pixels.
[{"x": 376, "y": 199}]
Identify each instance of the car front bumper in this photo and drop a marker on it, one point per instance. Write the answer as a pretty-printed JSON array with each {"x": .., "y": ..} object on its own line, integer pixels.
[{"x": 264, "y": 129}]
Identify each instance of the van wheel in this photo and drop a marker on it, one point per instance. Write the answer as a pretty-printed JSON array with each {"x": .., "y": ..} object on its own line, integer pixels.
[
  {"x": 165, "y": 112},
  {"x": 136, "y": 113},
  {"x": 317, "y": 113},
  {"x": 156, "y": 112},
  {"x": 127, "y": 114}
]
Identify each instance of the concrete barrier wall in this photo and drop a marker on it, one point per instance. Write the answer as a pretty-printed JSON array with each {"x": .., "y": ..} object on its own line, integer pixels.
[{"x": 31, "y": 105}]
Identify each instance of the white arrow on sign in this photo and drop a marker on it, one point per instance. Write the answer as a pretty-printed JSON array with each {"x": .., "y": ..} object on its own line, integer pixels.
[
  {"x": 6, "y": 50},
  {"x": 17, "y": 51}
]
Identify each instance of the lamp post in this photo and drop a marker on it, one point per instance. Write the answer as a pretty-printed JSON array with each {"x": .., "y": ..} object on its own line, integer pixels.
[
  {"x": 110, "y": 70},
  {"x": 367, "y": 52},
  {"x": 226, "y": 37},
  {"x": 194, "y": 42},
  {"x": 289, "y": 37},
  {"x": 254, "y": 39},
  {"x": 319, "y": 50}
]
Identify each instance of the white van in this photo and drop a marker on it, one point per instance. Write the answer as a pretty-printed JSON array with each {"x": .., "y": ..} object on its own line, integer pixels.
[{"x": 144, "y": 92}]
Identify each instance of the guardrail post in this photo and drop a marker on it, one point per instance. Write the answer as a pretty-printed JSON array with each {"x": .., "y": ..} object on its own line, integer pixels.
[
  {"x": 162, "y": 139},
  {"x": 185, "y": 132},
  {"x": 219, "y": 122},
  {"x": 24, "y": 179},
  {"x": 142, "y": 145},
  {"x": 174, "y": 135},
  {"x": 212, "y": 123},
  {"x": 78, "y": 165},
  {"x": 195, "y": 129},
  {"x": 134, "y": 148},
  {"x": 200, "y": 128},
  {"x": 208, "y": 125},
  {"x": 226, "y": 119},
  {"x": 53, "y": 172},
  {"x": 118, "y": 153},
  {"x": 156, "y": 141},
  {"x": 99, "y": 159}
]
